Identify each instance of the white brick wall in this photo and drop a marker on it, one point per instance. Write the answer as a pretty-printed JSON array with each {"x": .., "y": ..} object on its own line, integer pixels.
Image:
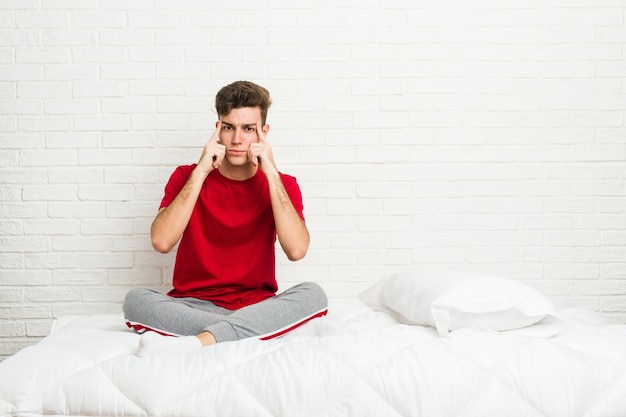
[{"x": 488, "y": 135}]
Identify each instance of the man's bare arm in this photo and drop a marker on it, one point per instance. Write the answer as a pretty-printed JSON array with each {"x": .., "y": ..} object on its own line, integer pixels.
[
  {"x": 292, "y": 232},
  {"x": 171, "y": 221}
]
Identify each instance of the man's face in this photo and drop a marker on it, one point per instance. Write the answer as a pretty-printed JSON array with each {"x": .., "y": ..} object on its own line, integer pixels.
[{"x": 238, "y": 132}]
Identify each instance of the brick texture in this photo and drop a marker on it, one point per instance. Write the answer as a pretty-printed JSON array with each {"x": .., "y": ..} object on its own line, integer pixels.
[{"x": 485, "y": 135}]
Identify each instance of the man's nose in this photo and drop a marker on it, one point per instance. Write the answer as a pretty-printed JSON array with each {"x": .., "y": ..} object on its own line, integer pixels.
[{"x": 237, "y": 135}]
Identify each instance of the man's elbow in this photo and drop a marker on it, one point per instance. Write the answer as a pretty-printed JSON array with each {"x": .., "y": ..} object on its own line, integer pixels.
[
  {"x": 161, "y": 245},
  {"x": 295, "y": 253}
]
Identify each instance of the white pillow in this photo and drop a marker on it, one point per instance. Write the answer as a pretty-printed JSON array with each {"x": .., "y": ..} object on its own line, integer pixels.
[{"x": 449, "y": 301}]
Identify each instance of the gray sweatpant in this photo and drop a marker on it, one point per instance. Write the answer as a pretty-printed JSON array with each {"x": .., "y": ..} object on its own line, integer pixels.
[{"x": 146, "y": 309}]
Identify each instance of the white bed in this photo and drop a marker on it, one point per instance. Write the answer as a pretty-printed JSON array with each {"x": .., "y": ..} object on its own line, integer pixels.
[{"x": 356, "y": 361}]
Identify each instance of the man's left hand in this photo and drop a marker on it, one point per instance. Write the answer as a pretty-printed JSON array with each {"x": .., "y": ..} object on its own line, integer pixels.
[{"x": 260, "y": 153}]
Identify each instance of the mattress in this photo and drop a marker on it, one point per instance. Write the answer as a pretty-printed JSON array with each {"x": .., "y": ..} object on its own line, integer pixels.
[{"x": 354, "y": 362}]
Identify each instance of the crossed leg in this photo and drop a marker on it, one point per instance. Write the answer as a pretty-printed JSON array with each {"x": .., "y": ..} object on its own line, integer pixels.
[{"x": 202, "y": 323}]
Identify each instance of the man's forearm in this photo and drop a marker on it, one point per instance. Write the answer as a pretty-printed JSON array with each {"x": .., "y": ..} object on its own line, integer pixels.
[
  {"x": 171, "y": 221},
  {"x": 292, "y": 232}
]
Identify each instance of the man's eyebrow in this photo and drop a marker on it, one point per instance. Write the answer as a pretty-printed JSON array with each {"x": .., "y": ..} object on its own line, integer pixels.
[{"x": 242, "y": 125}]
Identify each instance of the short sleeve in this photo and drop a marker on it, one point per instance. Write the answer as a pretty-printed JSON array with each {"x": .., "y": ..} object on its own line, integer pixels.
[
  {"x": 295, "y": 195},
  {"x": 177, "y": 181}
]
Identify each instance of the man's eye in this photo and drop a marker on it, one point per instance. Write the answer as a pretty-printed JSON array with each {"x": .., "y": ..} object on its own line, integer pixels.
[
  {"x": 250, "y": 129},
  {"x": 226, "y": 127}
]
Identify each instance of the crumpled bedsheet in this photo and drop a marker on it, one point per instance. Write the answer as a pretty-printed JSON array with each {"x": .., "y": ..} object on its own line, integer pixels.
[{"x": 353, "y": 362}]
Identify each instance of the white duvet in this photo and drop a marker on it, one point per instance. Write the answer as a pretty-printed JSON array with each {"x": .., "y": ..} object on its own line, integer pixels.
[{"x": 354, "y": 362}]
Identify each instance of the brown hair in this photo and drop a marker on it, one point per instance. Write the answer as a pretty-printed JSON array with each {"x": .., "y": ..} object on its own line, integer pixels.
[{"x": 242, "y": 94}]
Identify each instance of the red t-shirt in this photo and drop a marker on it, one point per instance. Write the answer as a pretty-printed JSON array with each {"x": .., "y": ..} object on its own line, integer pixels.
[{"x": 226, "y": 254}]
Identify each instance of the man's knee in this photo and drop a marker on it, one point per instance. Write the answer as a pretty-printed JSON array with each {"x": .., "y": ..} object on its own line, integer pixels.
[
  {"x": 134, "y": 298},
  {"x": 315, "y": 294}
]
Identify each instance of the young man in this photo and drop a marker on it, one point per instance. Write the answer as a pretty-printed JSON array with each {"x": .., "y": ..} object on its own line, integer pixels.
[{"x": 227, "y": 211}]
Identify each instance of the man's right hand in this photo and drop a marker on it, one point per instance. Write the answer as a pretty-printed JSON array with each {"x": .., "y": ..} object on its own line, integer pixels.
[{"x": 213, "y": 152}]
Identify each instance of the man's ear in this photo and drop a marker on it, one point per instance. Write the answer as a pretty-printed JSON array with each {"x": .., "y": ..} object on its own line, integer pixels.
[{"x": 266, "y": 129}]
